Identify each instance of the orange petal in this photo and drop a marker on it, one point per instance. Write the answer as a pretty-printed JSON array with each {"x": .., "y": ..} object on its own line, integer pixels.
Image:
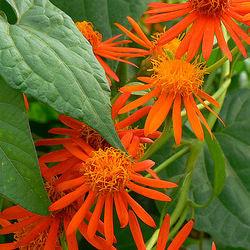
[
  {"x": 108, "y": 219},
  {"x": 152, "y": 182},
  {"x": 193, "y": 119},
  {"x": 121, "y": 210},
  {"x": 150, "y": 193},
  {"x": 140, "y": 101},
  {"x": 52, "y": 235},
  {"x": 136, "y": 231},
  {"x": 177, "y": 122},
  {"x": 68, "y": 198},
  {"x": 62, "y": 186},
  {"x": 163, "y": 234},
  {"x": 94, "y": 219},
  {"x": 80, "y": 214},
  {"x": 119, "y": 103},
  {"x": 143, "y": 165},
  {"x": 181, "y": 236},
  {"x": 139, "y": 210}
]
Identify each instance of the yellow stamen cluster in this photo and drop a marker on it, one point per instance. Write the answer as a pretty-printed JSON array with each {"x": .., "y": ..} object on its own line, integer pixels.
[
  {"x": 210, "y": 7},
  {"x": 107, "y": 170},
  {"x": 93, "y": 138},
  {"x": 178, "y": 76},
  {"x": 86, "y": 28}
]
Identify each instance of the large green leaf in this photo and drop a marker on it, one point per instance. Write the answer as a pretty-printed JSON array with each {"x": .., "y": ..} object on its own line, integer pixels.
[
  {"x": 45, "y": 55},
  {"x": 20, "y": 179},
  {"x": 227, "y": 218},
  {"x": 103, "y": 13}
]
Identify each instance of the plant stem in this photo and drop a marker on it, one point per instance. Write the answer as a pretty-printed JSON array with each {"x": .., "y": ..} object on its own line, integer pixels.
[
  {"x": 171, "y": 159},
  {"x": 219, "y": 63}
]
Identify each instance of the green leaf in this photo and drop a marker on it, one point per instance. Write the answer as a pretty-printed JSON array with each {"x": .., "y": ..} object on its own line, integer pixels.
[
  {"x": 227, "y": 218},
  {"x": 20, "y": 179},
  {"x": 103, "y": 13},
  {"x": 217, "y": 155},
  {"x": 45, "y": 55}
]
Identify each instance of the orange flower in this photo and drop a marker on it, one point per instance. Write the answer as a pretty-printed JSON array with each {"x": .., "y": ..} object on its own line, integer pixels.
[
  {"x": 79, "y": 133},
  {"x": 152, "y": 47},
  {"x": 173, "y": 82},
  {"x": 105, "y": 176},
  {"x": 110, "y": 49},
  {"x": 33, "y": 231},
  {"x": 206, "y": 18},
  {"x": 179, "y": 238}
]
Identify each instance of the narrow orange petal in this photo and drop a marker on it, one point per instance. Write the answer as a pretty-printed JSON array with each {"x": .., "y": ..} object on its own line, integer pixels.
[
  {"x": 143, "y": 165},
  {"x": 209, "y": 98},
  {"x": 62, "y": 186},
  {"x": 126, "y": 139},
  {"x": 94, "y": 219},
  {"x": 193, "y": 119},
  {"x": 135, "y": 88},
  {"x": 71, "y": 239},
  {"x": 158, "y": 113},
  {"x": 52, "y": 235},
  {"x": 139, "y": 32},
  {"x": 108, "y": 219},
  {"x": 136, "y": 116},
  {"x": 164, "y": 233},
  {"x": 80, "y": 214},
  {"x": 150, "y": 193},
  {"x": 76, "y": 151},
  {"x": 213, "y": 246},
  {"x": 70, "y": 122},
  {"x": 208, "y": 38},
  {"x": 136, "y": 231},
  {"x": 139, "y": 210},
  {"x": 68, "y": 198},
  {"x": 15, "y": 212},
  {"x": 152, "y": 182},
  {"x": 177, "y": 122},
  {"x": 121, "y": 210},
  {"x": 119, "y": 103},
  {"x": 20, "y": 225},
  {"x": 181, "y": 236},
  {"x": 221, "y": 39},
  {"x": 140, "y": 101},
  {"x": 134, "y": 146}
]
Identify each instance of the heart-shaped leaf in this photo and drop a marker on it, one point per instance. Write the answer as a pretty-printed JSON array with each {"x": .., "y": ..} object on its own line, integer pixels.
[
  {"x": 20, "y": 179},
  {"x": 45, "y": 55}
]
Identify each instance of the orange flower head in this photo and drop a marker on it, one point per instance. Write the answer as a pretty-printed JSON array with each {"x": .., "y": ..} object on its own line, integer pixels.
[
  {"x": 177, "y": 76},
  {"x": 87, "y": 29},
  {"x": 107, "y": 170},
  {"x": 173, "y": 83},
  {"x": 202, "y": 21},
  {"x": 210, "y": 7}
]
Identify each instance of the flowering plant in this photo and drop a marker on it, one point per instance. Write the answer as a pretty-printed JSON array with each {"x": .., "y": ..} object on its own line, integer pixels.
[{"x": 124, "y": 124}]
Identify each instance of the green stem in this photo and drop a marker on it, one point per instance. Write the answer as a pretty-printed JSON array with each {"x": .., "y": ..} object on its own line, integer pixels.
[
  {"x": 219, "y": 63},
  {"x": 184, "y": 190},
  {"x": 179, "y": 224},
  {"x": 171, "y": 159}
]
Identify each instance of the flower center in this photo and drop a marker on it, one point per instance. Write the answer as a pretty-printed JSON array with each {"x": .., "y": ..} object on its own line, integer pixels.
[
  {"x": 93, "y": 138},
  {"x": 107, "y": 170},
  {"x": 86, "y": 28},
  {"x": 210, "y": 7},
  {"x": 178, "y": 76}
]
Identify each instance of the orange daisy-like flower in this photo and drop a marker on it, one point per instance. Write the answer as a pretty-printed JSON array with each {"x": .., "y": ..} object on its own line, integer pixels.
[
  {"x": 105, "y": 176},
  {"x": 33, "y": 231},
  {"x": 206, "y": 18},
  {"x": 79, "y": 133},
  {"x": 152, "y": 47},
  {"x": 173, "y": 83},
  {"x": 110, "y": 49}
]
